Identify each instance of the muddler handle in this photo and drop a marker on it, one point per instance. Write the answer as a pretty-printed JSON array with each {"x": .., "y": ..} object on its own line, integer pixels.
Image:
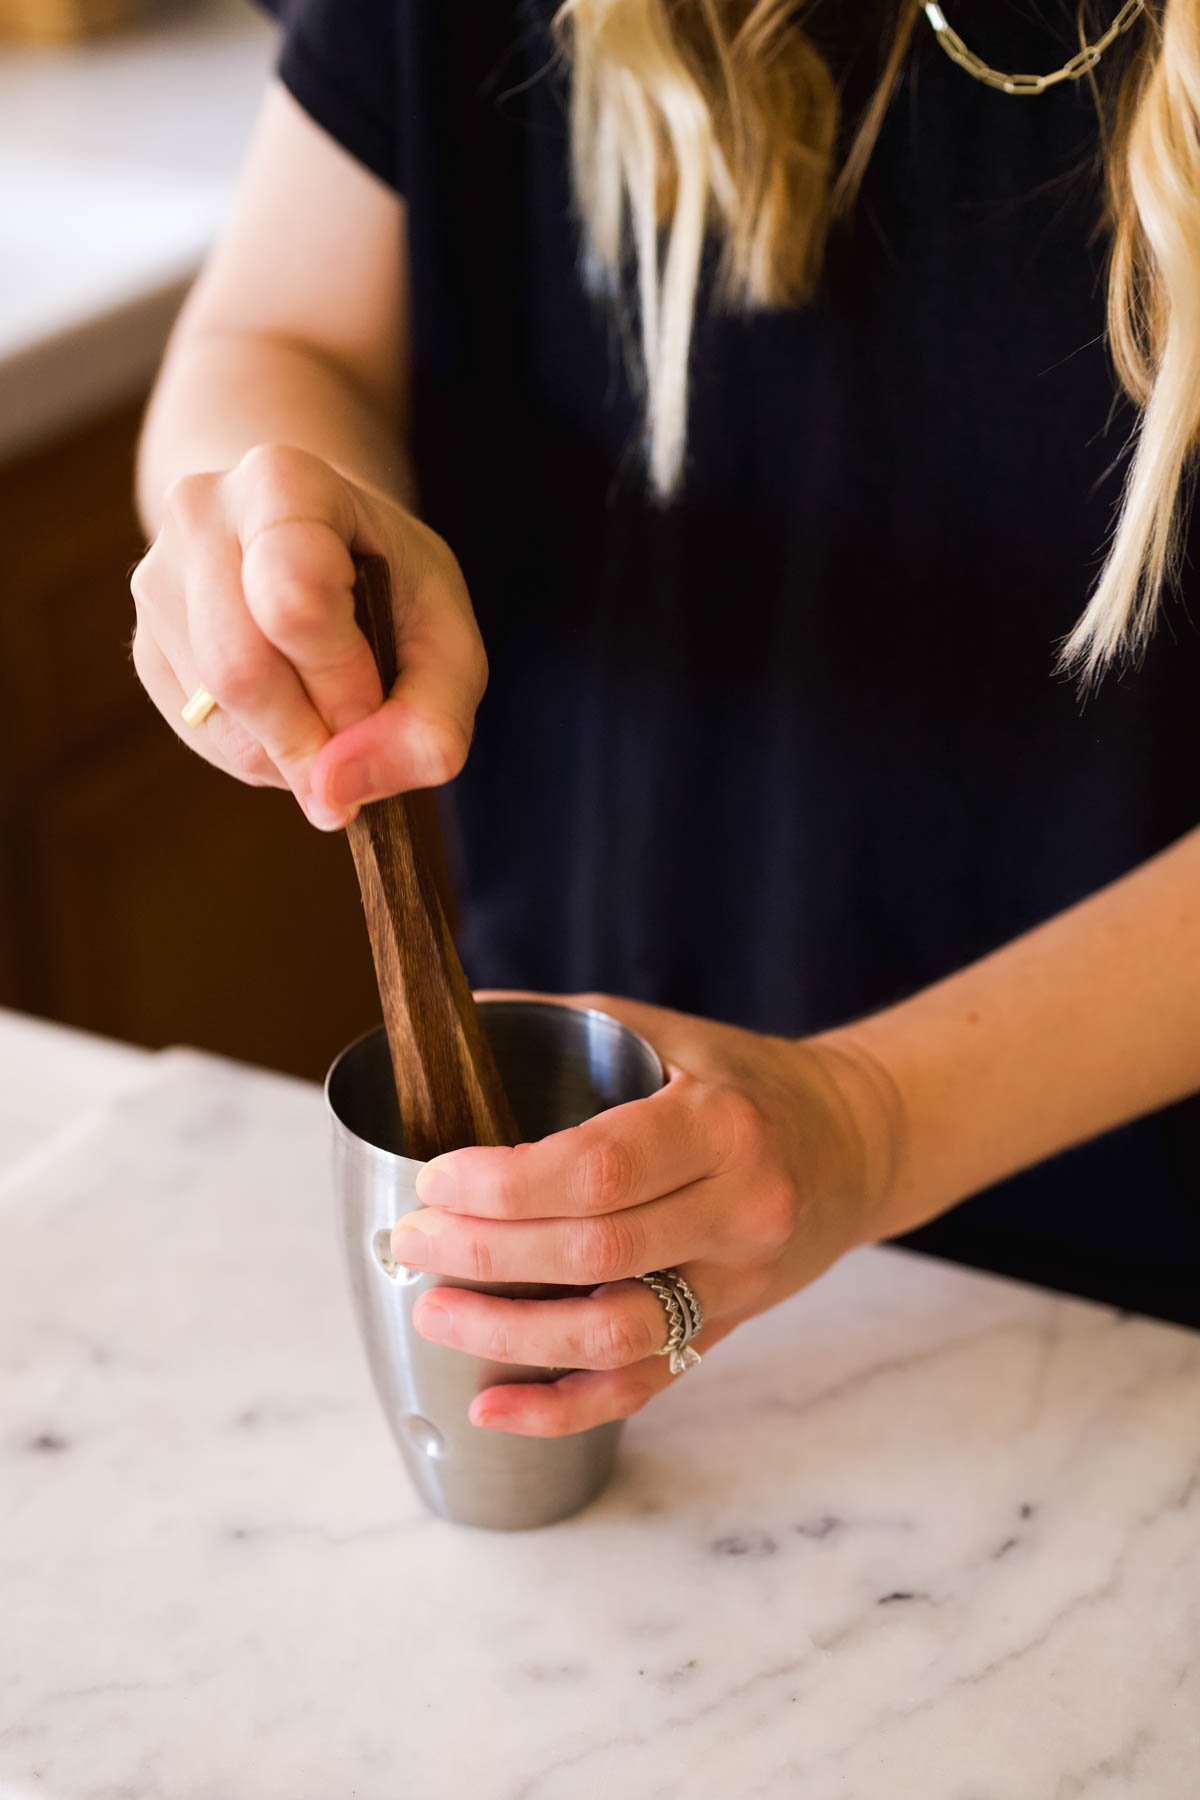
[{"x": 447, "y": 1083}]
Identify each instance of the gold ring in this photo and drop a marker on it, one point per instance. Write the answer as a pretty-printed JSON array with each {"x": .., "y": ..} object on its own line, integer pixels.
[{"x": 198, "y": 707}]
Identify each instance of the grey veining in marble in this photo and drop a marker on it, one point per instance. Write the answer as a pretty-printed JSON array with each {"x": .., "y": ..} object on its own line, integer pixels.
[{"x": 916, "y": 1533}]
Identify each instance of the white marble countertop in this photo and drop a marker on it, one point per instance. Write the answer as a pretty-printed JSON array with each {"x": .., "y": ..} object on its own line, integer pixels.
[
  {"x": 915, "y": 1535},
  {"x": 53, "y": 1081},
  {"x": 117, "y": 163}
]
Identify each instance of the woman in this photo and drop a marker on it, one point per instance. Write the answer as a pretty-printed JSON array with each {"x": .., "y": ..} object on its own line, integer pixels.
[{"x": 776, "y": 745}]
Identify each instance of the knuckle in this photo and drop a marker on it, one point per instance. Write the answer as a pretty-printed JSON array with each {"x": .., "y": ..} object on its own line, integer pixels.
[
  {"x": 500, "y": 1345},
  {"x": 444, "y": 743},
  {"x": 141, "y": 582},
  {"x": 286, "y": 605},
  {"x": 232, "y": 675},
  {"x": 606, "y": 1174},
  {"x": 743, "y": 1127},
  {"x": 500, "y": 1191},
  {"x": 771, "y": 1215},
  {"x": 617, "y": 1340},
  {"x": 602, "y": 1249},
  {"x": 188, "y": 499},
  {"x": 275, "y": 469},
  {"x": 479, "y": 1259},
  {"x": 441, "y": 560}
]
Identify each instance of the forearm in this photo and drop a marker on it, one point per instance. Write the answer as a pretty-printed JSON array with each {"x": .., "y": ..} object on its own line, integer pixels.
[
  {"x": 219, "y": 394},
  {"x": 1079, "y": 1026}
]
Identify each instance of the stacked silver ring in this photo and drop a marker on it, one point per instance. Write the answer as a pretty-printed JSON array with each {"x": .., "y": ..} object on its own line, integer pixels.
[{"x": 684, "y": 1313}]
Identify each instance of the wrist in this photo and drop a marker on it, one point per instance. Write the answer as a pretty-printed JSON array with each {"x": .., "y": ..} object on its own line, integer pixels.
[{"x": 869, "y": 1113}]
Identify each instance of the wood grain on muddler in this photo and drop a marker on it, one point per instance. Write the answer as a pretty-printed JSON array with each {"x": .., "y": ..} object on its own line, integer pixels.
[{"x": 447, "y": 1084}]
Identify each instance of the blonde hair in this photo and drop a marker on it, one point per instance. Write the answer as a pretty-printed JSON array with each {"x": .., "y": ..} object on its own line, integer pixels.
[{"x": 697, "y": 121}]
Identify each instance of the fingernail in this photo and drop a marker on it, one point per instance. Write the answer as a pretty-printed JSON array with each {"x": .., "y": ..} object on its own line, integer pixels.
[
  {"x": 329, "y": 818},
  {"x": 436, "y": 1185},
  {"x": 408, "y": 1246},
  {"x": 422, "y": 1221},
  {"x": 351, "y": 783}
]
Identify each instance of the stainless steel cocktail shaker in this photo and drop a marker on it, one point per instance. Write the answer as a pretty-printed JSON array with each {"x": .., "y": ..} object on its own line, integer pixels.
[{"x": 560, "y": 1065}]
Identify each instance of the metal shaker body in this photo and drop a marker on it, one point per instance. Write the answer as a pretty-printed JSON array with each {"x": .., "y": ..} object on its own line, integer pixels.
[{"x": 560, "y": 1065}]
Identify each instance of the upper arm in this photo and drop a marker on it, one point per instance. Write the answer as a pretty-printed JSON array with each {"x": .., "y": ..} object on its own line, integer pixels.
[{"x": 314, "y": 253}]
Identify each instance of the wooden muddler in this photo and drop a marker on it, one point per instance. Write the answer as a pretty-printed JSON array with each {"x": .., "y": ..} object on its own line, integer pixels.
[{"x": 447, "y": 1083}]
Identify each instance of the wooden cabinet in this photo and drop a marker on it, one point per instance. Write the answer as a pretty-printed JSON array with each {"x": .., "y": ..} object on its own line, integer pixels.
[
  {"x": 66, "y": 21},
  {"x": 144, "y": 894}
]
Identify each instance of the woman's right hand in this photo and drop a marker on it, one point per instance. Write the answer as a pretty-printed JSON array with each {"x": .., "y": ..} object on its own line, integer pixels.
[{"x": 248, "y": 590}]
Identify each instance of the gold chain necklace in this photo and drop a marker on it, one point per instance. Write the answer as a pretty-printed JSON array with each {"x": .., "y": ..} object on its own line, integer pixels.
[{"x": 1083, "y": 59}]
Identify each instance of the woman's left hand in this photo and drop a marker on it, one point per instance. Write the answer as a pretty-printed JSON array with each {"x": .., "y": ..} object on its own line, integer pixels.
[{"x": 760, "y": 1162}]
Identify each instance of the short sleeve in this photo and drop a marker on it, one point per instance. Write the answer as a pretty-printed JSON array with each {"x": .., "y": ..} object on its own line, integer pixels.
[{"x": 338, "y": 60}]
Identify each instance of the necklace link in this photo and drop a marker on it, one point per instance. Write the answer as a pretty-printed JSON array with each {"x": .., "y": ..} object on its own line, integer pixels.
[{"x": 1084, "y": 58}]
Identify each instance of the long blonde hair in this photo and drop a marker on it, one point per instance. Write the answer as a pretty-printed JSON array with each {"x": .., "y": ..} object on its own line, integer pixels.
[{"x": 697, "y": 121}]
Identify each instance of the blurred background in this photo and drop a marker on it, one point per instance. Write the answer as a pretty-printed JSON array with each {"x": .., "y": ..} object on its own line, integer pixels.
[{"x": 142, "y": 894}]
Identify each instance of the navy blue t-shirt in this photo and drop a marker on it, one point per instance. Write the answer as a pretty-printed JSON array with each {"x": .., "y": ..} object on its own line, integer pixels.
[{"x": 792, "y": 747}]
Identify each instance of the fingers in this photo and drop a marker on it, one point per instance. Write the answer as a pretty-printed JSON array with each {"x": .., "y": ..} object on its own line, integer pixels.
[
  {"x": 582, "y": 1399},
  {"x": 621, "y": 1158},
  {"x": 621, "y": 1323},
  {"x": 576, "y": 1252},
  {"x": 252, "y": 682},
  {"x": 249, "y": 589},
  {"x": 220, "y": 742},
  {"x": 420, "y": 736},
  {"x": 573, "y": 1403},
  {"x": 298, "y": 581},
  {"x": 157, "y": 675}
]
